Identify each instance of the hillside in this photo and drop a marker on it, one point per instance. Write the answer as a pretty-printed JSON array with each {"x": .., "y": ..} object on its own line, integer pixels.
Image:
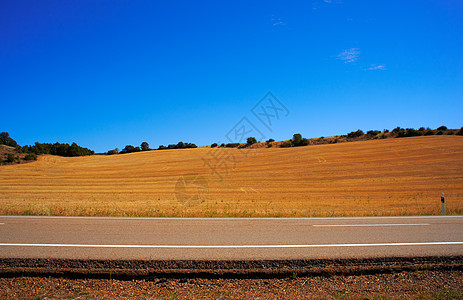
[{"x": 376, "y": 177}]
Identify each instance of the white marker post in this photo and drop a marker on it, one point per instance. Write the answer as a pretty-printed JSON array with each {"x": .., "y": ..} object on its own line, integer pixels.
[{"x": 442, "y": 200}]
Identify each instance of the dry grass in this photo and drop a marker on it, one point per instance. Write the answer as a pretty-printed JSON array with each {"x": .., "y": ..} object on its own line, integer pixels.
[{"x": 380, "y": 177}]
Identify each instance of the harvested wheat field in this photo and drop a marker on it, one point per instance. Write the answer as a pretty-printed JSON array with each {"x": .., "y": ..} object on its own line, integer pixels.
[{"x": 379, "y": 177}]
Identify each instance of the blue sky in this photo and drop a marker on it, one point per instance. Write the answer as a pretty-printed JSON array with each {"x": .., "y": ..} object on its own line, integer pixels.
[{"x": 110, "y": 73}]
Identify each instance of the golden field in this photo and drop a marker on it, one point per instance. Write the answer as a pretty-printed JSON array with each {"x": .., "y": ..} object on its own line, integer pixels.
[{"x": 379, "y": 177}]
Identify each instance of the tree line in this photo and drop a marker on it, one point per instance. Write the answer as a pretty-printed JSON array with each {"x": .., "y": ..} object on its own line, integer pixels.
[{"x": 32, "y": 151}]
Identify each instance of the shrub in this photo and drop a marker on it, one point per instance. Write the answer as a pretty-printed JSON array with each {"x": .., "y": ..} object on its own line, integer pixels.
[
  {"x": 442, "y": 128},
  {"x": 213, "y": 145},
  {"x": 422, "y": 129},
  {"x": 460, "y": 132},
  {"x": 251, "y": 140},
  {"x": 179, "y": 145},
  {"x": 299, "y": 141},
  {"x": 286, "y": 144},
  {"x": 10, "y": 158},
  {"x": 373, "y": 132},
  {"x": 130, "y": 149},
  {"x": 31, "y": 156},
  {"x": 145, "y": 146},
  {"x": 6, "y": 140},
  {"x": 397, "y": 129},
  {"x": 412, "y": 132},
  {"x": 384, "y": 136},
  {"x": 269, "y": 145},
  {"x": 450, "y": 133},
  {"x": 269, "y": 141},
  {"x": 385, "y": 130},
  {"x": 232, "y": 145},
  {"x": 112, "y": 152},
  {"x": 336, "y": 140},
  {"x": 355, "y": 134},
  {"x": 429, "y": 132},
  {"x": 440, "y": 132}
]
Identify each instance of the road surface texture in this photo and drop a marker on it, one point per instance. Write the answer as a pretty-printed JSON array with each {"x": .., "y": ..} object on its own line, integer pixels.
[{"x": 229, "y": 238}]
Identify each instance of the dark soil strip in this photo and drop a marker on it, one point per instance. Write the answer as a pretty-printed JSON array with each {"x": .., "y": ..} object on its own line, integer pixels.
[{"x": 260, "y": 269}]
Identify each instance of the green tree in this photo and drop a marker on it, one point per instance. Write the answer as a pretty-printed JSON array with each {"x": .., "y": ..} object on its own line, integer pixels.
[
  {"x": 251, "y": 140},
  {"x": 10, "y": 158},
  {"x": 6, "y": 140},
  {"x": 30, "y": 156},
  {"x": 145, "y": 146}
]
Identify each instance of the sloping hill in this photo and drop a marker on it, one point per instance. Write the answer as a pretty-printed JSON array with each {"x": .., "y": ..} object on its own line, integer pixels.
[{"x": 378, "y": 177}]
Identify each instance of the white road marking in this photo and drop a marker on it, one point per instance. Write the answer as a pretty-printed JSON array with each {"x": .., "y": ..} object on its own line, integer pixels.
[
  {"x": 370, "y": 225},
  {"x": 231, "y": 246},
  {"x": 2, "y": 223}
]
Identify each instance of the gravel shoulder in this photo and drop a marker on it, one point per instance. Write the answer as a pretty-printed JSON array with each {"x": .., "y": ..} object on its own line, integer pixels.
[{"x": 422, "y": 277}]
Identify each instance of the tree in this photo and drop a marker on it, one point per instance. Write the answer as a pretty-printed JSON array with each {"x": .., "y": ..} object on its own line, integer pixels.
[
  {"x": 145, "y": 146},
  {"x": 355, "y": 134},
  {"x": 213, "y": 145},
  {"x": 251, "y": 140},
  {"x": 443, "y": 128},
  {"x": 6, "y": 140},
  {"x": 130, "y": 149},
  {"x": 460, "y": 132},
  {"x": 297, "y": 138},
  {"x": 31, "y": 156},
  {"x": 10, "y": 158}
]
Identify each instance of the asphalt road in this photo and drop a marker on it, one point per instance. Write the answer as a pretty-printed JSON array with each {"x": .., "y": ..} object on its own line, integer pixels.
[{"x": 229, "y": 239}]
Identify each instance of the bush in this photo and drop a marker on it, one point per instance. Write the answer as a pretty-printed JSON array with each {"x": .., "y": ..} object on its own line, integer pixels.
[
  {"x": 355, "y": 134},
  {"x": 6, "y": 140},
  {"x": 112, "y": 152},
  {"x": 269, "y": 145},
  {"x": 145, "y": 146},
  {"x": 130, "y": 149},
  {"x": 460, "y": 132},
  {"x": 286, "y": 144},
  {"x": 10, "y": 158},
  {"x": 373, "y": 132},
  {"x": 180, "y": 145},
  {"x": 422, "y": 129},
  {"x": 298, "y": 140},
  {"x": 232, "y": 145},
  {"x": 251, "y": 141},
  {"x": 213, "y": 145},
  {"x": 385, "y": 130},
  {"x": 440, "y": 132},
  {"x": 58, "y": 149},
  {"x": 397, "y": 129},
  {"x": 269, "y": 141},
  {"x": 31, "y": 156},
  {"x": 442, "y": 128},
  {"x": 383, "y": 136},
  {"x": 429, "y": 132}
]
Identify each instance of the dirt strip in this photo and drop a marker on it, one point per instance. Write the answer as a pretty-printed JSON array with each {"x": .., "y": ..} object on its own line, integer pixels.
[
  {"x": 386, "y": 278},
  {"x": 141, "y": 269}
]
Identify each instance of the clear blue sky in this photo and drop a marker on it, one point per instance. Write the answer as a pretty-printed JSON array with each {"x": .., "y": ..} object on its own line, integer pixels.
[{"x": 110, "y": 73}]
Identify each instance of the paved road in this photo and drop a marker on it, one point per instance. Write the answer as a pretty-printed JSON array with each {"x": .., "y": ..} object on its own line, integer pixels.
[{"x": 236, "y": 239}]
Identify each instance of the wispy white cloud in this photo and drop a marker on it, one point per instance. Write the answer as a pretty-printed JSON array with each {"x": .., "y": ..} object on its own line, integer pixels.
[
  {"x": 374, "y": 67},
  {"x": 277, "y": 21},
  {"x": 349, "y": 55}
]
